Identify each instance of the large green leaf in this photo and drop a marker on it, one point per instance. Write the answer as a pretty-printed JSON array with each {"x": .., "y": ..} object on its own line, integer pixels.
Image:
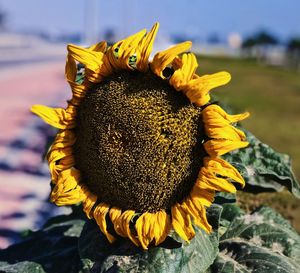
[
  {"x": 21, "y": 267},
  {"x": 263, "y": 168},
  {"x": 98, "y": 255},
  {"x": 52, "y": 249},
  {"x": 224, "y": 198},
  {"x": 259, "y": 242}
]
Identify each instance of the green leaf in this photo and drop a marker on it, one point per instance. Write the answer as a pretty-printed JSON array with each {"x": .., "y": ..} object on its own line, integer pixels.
[
  {"x": 99, "y": 255},
  {"x": 213, "y": 214},
  {"x": 263, "y": 168},
  {"x": 52, "y": 249},
  {"x": 229, "y": 213},
  {"x": 224, "y": 197},
  {"x": 24, "y": 267},
  {"x": 259, "y": 242}
]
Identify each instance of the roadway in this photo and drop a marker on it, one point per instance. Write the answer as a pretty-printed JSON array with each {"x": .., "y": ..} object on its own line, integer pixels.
[{"x": 24, "y": 177}]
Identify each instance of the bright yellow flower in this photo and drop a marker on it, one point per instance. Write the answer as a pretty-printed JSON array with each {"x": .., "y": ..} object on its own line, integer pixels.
[{"x": 139, "y": 142}]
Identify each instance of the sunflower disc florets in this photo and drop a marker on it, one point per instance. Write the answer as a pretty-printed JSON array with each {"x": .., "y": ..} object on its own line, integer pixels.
[{"x": 138, "y": 142}]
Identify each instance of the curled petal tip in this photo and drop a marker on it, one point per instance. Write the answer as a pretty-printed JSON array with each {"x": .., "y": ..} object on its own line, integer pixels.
[
  {"x": 224, "y": 77},
  {"x": 189, "y": 43},
  {"x": 33, "y": 108},
  {"x": 246, "y": 114},
  {"x": 156, "y": 24},
  {"x": 71, "y": 47}
]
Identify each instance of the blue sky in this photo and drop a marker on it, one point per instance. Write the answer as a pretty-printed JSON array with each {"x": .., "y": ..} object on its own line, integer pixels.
[{"x": 195, "y": 17}]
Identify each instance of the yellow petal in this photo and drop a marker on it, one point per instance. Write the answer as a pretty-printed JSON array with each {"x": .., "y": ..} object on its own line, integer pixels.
[
  {"x": 197, "y": 89},
  {"x": 128, "y": 215},
  {"x": 145, "y": 48},
  {"x": 181, "y": 223},
  {"x": 161, "y": 227},
  {"x": 57, "y": 155},
  {"x": 143, "y": 228},
  {"x": 216, "y": 174},
  {"x": 100, "y": 47},
  {"x": 216, "y": 115},
  {"x": 69, "y": 178},
  {"x": 92, "y": 60},
  {"x": 119, "y": 53},
  {"x": 177, "y": 63},
  {"x": 63, "y": 139},
  {"x": 67, "y": 191},
  {"x": 70, "y": 69},
  {"x": 204, "y": 196},
  {"x": 71, "y": 110},
  {"x": 214, "y": 80},
  {"x": 207, "y": 180},
  {"x": 115, "y": 214},
  {"x": 77, "y": 98},
  {"x": 122, "y": 225},
  {"x": 89, "y": 202},
  {"x": 152, "y": 227},
  {"x": 106, "y": 69},
  {"x": 129, "y": 45},
  {"x": 100, "y": 216},
  {"x": 217, "y": 147},
  {"x": 198, "y": 213},
  {"x": 184, "y": 73},
  {"x": 222, "y": 168},
  {"x": 78, "y": 90},
  {"x": 226, "y": 131},
  {"x": 56, "y": 167},
  {"x": 56, "y": 117},
  {"x": 162, "y": 59},
  {"x": 224, "y": 136},
  {"x": 71, "y": 198}
]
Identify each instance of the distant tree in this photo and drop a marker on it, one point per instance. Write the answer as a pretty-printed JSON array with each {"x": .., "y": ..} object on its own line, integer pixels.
[
  {"x": 214, "y": 38},
  {"x": 110, "y": 36},
  {"x": 257, "y": 45},
  {"x": 265, "y": 38},
  {"x": 261, "y": 38},
  {"x": 293, "y": 44},
  {"x": 293, "y": 53},
  {"x": 2, "y": 19},
  {"x": 249, "y": 42}
]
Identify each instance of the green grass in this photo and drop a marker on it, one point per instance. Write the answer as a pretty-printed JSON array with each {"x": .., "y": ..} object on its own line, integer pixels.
[{"x": 272, "y": 95}]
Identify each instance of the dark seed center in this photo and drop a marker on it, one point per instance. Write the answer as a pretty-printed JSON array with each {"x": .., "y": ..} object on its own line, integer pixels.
[{"x": 138, "y": 142}]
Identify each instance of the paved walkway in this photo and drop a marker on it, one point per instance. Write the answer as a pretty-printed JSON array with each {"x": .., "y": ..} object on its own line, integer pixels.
[{"x": 24, "y": 177}]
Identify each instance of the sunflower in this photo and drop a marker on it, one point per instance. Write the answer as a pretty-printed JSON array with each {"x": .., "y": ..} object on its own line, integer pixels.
[{"x": 139, "y": 143}]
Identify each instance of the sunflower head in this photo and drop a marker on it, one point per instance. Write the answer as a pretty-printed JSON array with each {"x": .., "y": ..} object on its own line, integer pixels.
[{"x": 139, "y": 143}]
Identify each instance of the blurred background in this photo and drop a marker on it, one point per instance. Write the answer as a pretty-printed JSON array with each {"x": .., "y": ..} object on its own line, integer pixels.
[{"x": 258, "y": 42}]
